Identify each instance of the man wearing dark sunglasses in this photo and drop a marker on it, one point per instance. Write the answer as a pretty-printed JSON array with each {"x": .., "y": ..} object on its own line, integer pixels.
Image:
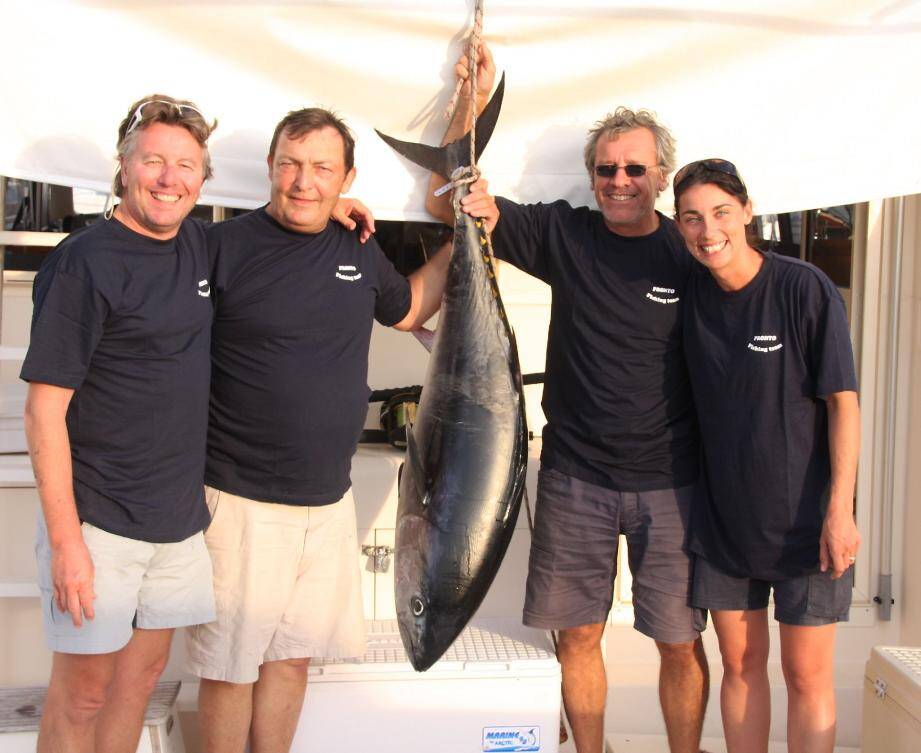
[
  {"x": 116, "y": 418},
  {"x": 619, "y": 453}
]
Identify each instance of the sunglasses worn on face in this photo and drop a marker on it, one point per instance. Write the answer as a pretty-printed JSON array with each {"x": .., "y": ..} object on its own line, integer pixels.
[
  {"x": 715, "y": 164},
  {"x": 633, "y": 171},
  {"x": 139, "y": 112}
]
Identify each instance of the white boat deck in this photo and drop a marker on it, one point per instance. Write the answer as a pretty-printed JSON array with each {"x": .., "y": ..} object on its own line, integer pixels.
[{"x": 658, "y": 744}]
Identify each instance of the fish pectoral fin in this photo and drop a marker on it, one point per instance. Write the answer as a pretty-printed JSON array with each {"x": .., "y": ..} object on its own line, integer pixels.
[
  {"x": 415, "y": 464},
  {"x": 513, "y": 498}
]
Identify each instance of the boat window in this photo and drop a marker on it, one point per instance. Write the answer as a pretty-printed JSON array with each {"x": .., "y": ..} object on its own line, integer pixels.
[
  {"x": 409, "y": 244},
  {"x": 36, "y": 214},
  {"x": 824, "y": 237}
]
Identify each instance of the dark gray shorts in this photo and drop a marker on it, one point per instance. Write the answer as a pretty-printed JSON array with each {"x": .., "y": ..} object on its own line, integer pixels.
[
  {"x": 813, "y": 599},
  {"x": 574, "y": 557}
]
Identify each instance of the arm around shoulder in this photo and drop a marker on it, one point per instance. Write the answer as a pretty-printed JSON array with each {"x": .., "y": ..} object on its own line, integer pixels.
[{"x": 440, "y": 207}]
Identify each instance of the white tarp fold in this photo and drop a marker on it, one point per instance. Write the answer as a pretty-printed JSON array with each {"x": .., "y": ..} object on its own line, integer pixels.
[{"x": 817, "y": 102}]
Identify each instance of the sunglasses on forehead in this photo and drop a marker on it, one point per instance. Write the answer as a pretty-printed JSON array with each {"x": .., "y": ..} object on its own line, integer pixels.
[
  {"x": 139, "y": 112},
  {"x": 633, "y": 171},
  {"x": 715, "y": 164}
]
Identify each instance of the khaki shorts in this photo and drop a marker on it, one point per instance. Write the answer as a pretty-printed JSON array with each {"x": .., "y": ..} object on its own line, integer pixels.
[
  {"x": 137, "y": 584},
  {"x": 287, "y": 585}
]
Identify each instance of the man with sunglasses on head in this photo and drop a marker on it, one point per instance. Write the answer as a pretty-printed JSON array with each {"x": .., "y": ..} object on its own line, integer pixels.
[
  {"x": 116, "y": 418},
  {"x": 620, "y": 448}
]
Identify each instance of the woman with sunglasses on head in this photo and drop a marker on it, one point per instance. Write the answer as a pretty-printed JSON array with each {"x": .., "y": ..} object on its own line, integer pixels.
[{"x": 769, "y": 354}]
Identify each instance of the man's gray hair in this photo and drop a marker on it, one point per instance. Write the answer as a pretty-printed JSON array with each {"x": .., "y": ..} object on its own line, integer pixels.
[{"x": 624, "y": 119}]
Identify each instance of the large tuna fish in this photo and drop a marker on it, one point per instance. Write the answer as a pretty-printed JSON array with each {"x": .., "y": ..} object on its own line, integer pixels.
[{"x": 461, "y": 485}]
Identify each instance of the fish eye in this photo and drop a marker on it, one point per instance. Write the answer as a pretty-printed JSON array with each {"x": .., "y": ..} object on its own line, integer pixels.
[{"x": 417, "y": 606}]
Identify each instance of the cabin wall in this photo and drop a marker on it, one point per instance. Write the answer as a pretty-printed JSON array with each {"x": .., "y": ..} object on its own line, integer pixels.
[
  {"x": 911, "y": 307},
  {"x": 24, "y": 660},
  {"x": 15, "y": 313}
]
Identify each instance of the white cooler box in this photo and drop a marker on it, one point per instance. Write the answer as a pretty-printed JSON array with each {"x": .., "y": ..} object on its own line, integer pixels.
[
  {"x": 496, "y": 690},
  {"x": 892, "y": 701}
]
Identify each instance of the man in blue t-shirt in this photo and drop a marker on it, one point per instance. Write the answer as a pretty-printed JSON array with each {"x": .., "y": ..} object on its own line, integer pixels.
[
  {"x": 620, "y": 448},
  {"x": 295, "y": 299},
  {"x": 116, "y": 419}
]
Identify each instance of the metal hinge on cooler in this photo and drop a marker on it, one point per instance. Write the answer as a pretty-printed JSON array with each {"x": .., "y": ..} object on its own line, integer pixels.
[
  {"x": 879, "y": 686},
  {"x": 380, "y": 557}
]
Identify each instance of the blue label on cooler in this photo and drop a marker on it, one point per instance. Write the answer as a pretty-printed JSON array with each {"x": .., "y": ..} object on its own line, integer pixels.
[{"x": 509, "y": 739}]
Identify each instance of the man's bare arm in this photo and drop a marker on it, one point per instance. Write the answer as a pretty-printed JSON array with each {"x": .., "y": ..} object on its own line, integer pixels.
[
  {"x": 427, "y": 285},
  {"x": 428, "y": 282},
  {"x": 49, "y": 447},
  {"x": 440, "y": 206},
  {"x": 840, "y": 538}
]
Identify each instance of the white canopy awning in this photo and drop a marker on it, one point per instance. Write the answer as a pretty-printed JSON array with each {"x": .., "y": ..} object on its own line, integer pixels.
[{"x": 817, "y": 103}]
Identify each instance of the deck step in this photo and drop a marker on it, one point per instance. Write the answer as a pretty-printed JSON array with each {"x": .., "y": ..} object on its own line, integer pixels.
[{"x": 21, "y": 708}]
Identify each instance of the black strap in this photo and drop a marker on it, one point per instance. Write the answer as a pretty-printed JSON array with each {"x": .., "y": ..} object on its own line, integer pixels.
[
  {"x": 379, "y": 396},
  {"x": 373, "y": 436},
  {"x": 381, "y": 436}
]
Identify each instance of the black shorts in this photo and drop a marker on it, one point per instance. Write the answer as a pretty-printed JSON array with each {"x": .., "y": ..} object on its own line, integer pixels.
[{"x": 813, "y": 599}]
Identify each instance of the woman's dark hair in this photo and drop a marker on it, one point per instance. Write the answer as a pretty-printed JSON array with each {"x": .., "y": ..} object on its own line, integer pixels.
[
  {"x": 724, "y": 176},
  {"x": 720, "y": 173}
]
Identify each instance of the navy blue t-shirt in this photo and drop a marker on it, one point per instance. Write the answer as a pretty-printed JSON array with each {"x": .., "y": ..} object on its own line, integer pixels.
[
  {"x": 761, "y": 361},
  {"x": 125, "y": 321},
  {"x": 617, "y": 396},
  {"x": 289, "y": 389}
]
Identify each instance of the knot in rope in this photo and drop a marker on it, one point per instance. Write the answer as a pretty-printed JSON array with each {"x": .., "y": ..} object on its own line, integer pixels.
[
  {"x": 470, "y": 173},
  {"x": 462, "y": 176}
]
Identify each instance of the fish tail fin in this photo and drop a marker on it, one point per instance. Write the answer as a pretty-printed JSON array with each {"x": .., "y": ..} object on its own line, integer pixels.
[{"x": 444, "y": 160}]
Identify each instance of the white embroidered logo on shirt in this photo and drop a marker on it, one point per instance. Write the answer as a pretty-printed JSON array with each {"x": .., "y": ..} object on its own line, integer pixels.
[
  {"x": 772, "y": 339},
  {"x": 204, "y": 289},
  {"x": 662, "y": 295},
  {"x": 348, "y": 272}
]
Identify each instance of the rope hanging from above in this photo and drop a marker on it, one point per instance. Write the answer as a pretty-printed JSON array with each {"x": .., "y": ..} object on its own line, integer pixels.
[
  {"x": 473, "y": 48},
  {"x": 470, "y": 173},
  {"x": 473, "y": 44}
]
